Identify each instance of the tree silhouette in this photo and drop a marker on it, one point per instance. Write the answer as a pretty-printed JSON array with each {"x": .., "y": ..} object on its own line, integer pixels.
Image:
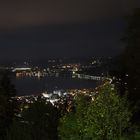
[
  {"x": 7, "y": 104},
  {"x": 38, "y": 122},
  {"x": 131, "y": 60}
]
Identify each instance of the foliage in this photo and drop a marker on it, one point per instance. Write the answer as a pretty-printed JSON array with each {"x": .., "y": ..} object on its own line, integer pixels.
[
  {"x": 131, "y": 56},
  {"x": 108, "y": 116},
  {"x": 7, "y": 105},
  {"x": 18, "y": 131},
  {"x": 136, "y": 136},
  {"x": 39, "y": 122},
  {"x": 6, "y": 87},
  {"x": 105, "y": 118},
  {"x": 72, "y": 124},
  {"x": 127, "y": 71}
]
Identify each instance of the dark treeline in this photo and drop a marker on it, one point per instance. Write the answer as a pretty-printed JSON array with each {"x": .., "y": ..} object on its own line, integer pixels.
[
  {"x": 128, "y": 64},
  {"x": 7, "y": 105}
]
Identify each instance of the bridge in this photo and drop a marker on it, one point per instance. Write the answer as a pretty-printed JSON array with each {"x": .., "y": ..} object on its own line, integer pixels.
[
  {"x": 88, "y": 77},
  {"x": 20, "y": 69}
]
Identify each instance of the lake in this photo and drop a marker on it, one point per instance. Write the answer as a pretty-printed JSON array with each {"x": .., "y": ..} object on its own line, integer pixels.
[{"x": 33, "y": 85}]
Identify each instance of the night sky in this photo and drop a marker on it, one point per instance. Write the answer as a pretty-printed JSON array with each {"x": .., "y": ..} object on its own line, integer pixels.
[{"x": 62, "y": 28}]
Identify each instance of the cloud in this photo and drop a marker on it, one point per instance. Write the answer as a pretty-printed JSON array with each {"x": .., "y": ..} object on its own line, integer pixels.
[{"x": 17, "y": 13}]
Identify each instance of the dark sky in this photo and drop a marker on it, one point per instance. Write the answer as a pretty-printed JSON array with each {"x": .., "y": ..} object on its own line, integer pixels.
[{"x": 62, "y": 28}]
